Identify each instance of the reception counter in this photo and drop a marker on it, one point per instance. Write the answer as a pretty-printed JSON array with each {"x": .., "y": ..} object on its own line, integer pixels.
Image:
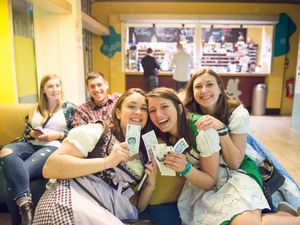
[{"x": 240, "y": 85}]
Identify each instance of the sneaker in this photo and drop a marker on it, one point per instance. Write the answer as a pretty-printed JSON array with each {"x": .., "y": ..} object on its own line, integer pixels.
[
  {"x": 26, "y": 212},
  {"x": 286, "y": 207}
]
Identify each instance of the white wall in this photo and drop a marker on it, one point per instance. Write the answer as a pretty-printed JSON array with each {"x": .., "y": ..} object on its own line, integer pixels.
[
  {"x": 296, "y": 102},
  {"x": 58, "y": 43}
]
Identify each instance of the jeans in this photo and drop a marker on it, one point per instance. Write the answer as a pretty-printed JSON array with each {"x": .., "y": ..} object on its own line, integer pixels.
[
  {"x": 151, "y": 82},
  {"x": 179, "y": 84},
  {"x": 37, "y": 187},
  {"x": 23, "y": 165},
  {"x": 162, "y": 214}
]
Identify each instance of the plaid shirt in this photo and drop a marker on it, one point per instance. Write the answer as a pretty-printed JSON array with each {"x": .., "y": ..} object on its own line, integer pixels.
[
  {"x": 68, "y": 109},
  {"x": 89, "y": 112}
]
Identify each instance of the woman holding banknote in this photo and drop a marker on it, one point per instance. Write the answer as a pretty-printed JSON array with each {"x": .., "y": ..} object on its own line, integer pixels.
[
  {"x": 172, "y": 122},
  {"x": 213, "y": 193},
  {"x": 96, "y": 171},
  {"x": 46, "y": 125}
]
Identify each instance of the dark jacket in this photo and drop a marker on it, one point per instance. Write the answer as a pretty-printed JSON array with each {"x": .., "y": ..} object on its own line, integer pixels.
[{"x": 149, "y": 64}]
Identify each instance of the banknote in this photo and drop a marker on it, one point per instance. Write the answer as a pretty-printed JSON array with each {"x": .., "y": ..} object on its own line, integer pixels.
[
  {"x": 149, "y": 140},
  {"x": 180, "y": 146},
  {"x": 133, "y": 134},
  {"x": 159, "y": 150}
]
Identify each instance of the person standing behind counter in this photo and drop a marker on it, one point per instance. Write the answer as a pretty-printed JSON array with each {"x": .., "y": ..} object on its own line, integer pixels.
[
  {"x": 100, "y": 106},
  {"x": 151, "y": 69},
  {"x": 182, "y": 62}
]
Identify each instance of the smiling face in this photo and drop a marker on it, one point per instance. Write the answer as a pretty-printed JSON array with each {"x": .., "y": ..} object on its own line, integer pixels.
[
  {"x": 206, "y": 92},
  {"x": 97, "y": 87},
  {"x": 52, "y": 89},
  {"x": 132, "y": 111},
  {"x": 163, "y": 114}
]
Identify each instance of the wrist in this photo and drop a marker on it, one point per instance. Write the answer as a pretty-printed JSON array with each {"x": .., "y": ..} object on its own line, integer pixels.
[
  {"x": 150, "y": 186},
  {"x": 223, "y": 131},
  {"x": 105, "y": 163},
  {"x": 186, "y": 170},
  {"x": 61, "y": 136}
]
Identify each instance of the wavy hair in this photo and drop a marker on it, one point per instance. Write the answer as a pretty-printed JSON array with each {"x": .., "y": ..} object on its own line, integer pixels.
[
  {"x": 115, "y": 122},
  {"x": 183, "y": 125},
  {"x": 224, "y": 106},
  {"x": 43, "y": 104}
]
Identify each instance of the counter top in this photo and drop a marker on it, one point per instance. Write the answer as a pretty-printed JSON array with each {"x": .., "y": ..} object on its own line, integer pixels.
[
  {"x": 132, "y": 73},
  {"x": 141, "y": 73}
]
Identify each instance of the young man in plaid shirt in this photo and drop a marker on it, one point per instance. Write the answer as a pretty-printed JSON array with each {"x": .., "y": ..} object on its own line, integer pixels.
[{"x": 100, "y": 106}]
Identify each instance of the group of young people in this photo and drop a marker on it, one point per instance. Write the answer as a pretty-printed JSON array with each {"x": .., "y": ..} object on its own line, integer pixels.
[{"x": 97, "y": 178}]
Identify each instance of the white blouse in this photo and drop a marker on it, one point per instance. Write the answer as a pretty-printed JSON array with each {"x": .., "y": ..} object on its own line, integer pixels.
[
  {"x": 207, "y": 142},
  {"x": 239, "y": 121},
  {"x": 85, "y": 137}
]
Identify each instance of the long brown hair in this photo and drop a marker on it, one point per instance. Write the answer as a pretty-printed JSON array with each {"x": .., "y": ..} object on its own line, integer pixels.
[
  {"x": 115, "y": 122},
  {"x": 43, "y": 104},
  {"x": 224, "y": 106},
  {"x": 183, "y": 125}
]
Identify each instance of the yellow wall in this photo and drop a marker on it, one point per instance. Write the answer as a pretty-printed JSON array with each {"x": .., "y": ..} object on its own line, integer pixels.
[
  {"x": 7, "y": 85},
  {"x": 107, "y": 13},
  {"x": 255, "y": 34},
  {"x": 25, "y": 66}
]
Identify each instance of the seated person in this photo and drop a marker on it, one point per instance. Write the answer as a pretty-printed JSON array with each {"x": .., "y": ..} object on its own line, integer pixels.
[
  {"x": 96, "y": 174},
  {"x": 205, "y": 94},
  {"x": 100, "y": 106},
  {"x": 22, "y": 162}
]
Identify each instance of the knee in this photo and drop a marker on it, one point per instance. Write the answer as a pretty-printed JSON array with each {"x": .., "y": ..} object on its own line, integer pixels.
[
  {"x": 248, "y": 218},
  {"x": 5, "y": 151}
]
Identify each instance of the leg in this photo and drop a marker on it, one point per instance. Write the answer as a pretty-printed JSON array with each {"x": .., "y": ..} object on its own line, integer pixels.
[
  {"x": 176, "y": 85},
  {"x": 280, "y": 219},
  {"x": 147, "y": 84},
  {"x": 248, "y": 218},
  {"x": 13, "y": 208},
  {"x": 17, "y": 177},
  {"x": 256, "y": 218},
  {"x": 13, "y": 156},
  {"x": 153, "y": 82},
  {"x": 156, "y": 82},
  {"x": 36, "y": 161},
  {"x": 182, "y": 85}
]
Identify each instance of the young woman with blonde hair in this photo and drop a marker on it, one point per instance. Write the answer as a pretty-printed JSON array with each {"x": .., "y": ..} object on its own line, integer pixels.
[{"x": 46, "y": 126}]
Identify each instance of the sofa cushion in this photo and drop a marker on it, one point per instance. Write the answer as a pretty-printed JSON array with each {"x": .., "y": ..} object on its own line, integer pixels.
[{"x": 12, "y": 121}]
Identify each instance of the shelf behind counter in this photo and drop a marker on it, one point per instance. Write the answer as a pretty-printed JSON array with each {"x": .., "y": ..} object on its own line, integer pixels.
[{"x": 243, "y": 82}]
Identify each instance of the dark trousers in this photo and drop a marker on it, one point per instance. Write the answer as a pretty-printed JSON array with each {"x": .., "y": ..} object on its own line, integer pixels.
[
  {"x": 179, "y": 84},
  {"x": 151, "y": 82}
]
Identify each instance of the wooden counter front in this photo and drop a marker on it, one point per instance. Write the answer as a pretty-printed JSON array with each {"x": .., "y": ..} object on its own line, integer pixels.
[
  {"x": 243, "y": 82},
  {"x": 136, "y": 79}
]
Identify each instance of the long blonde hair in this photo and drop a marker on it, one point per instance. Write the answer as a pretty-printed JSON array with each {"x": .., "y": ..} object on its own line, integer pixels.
[{"x": 43, "y": 104}]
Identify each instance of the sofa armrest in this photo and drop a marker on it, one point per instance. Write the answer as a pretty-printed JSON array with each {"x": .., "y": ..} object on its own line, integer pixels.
[{"x": 12, "y": 121}]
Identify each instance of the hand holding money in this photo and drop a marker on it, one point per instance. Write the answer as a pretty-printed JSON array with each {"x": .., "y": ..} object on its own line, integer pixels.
[
  {"x": 149, "y": 177},
  {"x": 118, "y": 154},
  {"x": 159, "y": 151},
  {"x": 175, "y": 161}
]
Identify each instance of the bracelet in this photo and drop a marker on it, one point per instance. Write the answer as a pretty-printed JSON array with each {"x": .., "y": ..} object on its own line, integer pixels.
[
  {"x": 223, "y": 131},
  {"x": 186, "y": 170}
]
